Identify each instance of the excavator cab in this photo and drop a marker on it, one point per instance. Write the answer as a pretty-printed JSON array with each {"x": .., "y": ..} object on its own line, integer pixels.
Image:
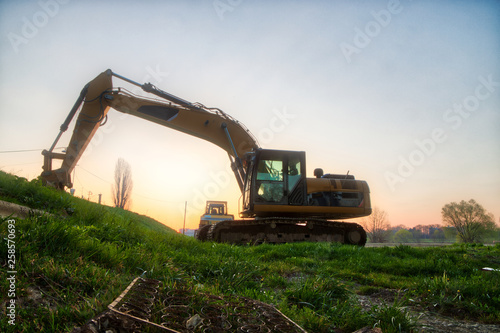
[
  {"x": 274, "y": 178},
  {"x": 276, "y": 185}
]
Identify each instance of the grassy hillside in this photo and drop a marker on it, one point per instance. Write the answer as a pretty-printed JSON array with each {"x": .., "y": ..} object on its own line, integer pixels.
[{"x": 70, "y": 265}]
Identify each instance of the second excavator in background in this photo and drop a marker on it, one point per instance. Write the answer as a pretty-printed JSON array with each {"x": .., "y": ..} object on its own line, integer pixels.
[
  {"x": 279, "y": 203},
  {"x": 215, "y": 212}
]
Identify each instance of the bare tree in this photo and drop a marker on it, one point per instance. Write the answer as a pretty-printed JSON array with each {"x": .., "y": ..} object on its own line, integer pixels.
[
  {"x": 469, "y": 218},
  {"x": 377, "y": 227},
  {"x": 122, "y": 188}
]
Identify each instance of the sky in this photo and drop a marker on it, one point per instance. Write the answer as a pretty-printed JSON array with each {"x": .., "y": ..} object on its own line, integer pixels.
[{"x": 403, "y": 94}]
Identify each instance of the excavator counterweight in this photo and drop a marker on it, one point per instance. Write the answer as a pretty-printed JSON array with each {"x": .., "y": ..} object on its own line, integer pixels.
[{"x": 279, "y": 203}]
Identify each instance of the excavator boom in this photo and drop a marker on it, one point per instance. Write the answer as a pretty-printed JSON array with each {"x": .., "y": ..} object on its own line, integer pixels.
[{"x": 210, "y": 124}]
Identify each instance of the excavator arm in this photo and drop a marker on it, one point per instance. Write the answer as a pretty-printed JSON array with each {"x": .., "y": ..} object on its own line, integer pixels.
[{"x": 99, "y": 95}]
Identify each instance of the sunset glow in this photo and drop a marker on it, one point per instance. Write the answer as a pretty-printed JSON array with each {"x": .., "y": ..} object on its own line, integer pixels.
[{"x": 402, "y": 94}]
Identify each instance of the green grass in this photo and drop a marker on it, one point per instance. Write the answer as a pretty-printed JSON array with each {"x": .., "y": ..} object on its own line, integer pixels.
[{"x": 72, "y": 264}]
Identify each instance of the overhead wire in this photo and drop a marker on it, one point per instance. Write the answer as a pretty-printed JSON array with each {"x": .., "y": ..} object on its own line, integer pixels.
[
  {"x": 17, "y": 164},
  {"x": 79, "y": 166},
  {"x": 25, "y": 150},
  {"x": 94, "y": 175},
  {"x": 135, "y": 193},
  {"x": 19, "y": 151}
]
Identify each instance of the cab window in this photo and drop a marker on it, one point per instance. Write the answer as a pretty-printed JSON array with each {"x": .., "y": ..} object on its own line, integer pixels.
[
  {"x": 270, "y": 170},
  {"x": 270, "y": 186}
]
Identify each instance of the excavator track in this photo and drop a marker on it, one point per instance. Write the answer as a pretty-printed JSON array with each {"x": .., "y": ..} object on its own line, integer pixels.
[{"x": 283, "y": 230}]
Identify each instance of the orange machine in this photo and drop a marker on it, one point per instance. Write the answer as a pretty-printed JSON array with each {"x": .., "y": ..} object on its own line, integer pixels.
[
  {"x": 215, "y": 212},
  {"x": 280, "y": 204}
]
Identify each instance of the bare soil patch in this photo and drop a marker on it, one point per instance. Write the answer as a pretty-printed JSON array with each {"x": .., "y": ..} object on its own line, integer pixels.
[{"x": 427, "y": 320}]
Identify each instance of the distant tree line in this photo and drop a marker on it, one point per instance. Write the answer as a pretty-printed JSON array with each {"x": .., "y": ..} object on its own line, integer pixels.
[{"x": 466, "y": 221}]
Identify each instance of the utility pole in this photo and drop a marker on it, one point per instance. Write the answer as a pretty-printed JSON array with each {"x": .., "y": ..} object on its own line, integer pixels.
[
  {"x": 100, "y": 195},
  {"x": 184, "y": 228}
]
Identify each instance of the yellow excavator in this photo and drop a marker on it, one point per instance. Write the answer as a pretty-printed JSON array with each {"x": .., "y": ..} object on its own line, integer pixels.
[
  {"x": 215, "y": 212},
  {"x": 279, "y": 204}
]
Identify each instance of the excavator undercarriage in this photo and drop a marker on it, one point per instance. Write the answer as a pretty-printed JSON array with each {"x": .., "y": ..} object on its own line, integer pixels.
[{"x": 283, "y": 230}]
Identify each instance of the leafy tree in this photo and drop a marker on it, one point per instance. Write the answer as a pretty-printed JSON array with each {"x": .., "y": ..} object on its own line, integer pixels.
[
  {"x": 122, "y": 189},
  {"x": 450, "y": 233},
  {"x": 417, "y": 234},
  {"x": 424, "y": 230},
  {"x": 438, "y": 235},
  {"x": 398, "y": 227},
  {"x": 403, "y": 236},
  {"x": 377, "y": 227},
  {"x": 469, "y": 218}
]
